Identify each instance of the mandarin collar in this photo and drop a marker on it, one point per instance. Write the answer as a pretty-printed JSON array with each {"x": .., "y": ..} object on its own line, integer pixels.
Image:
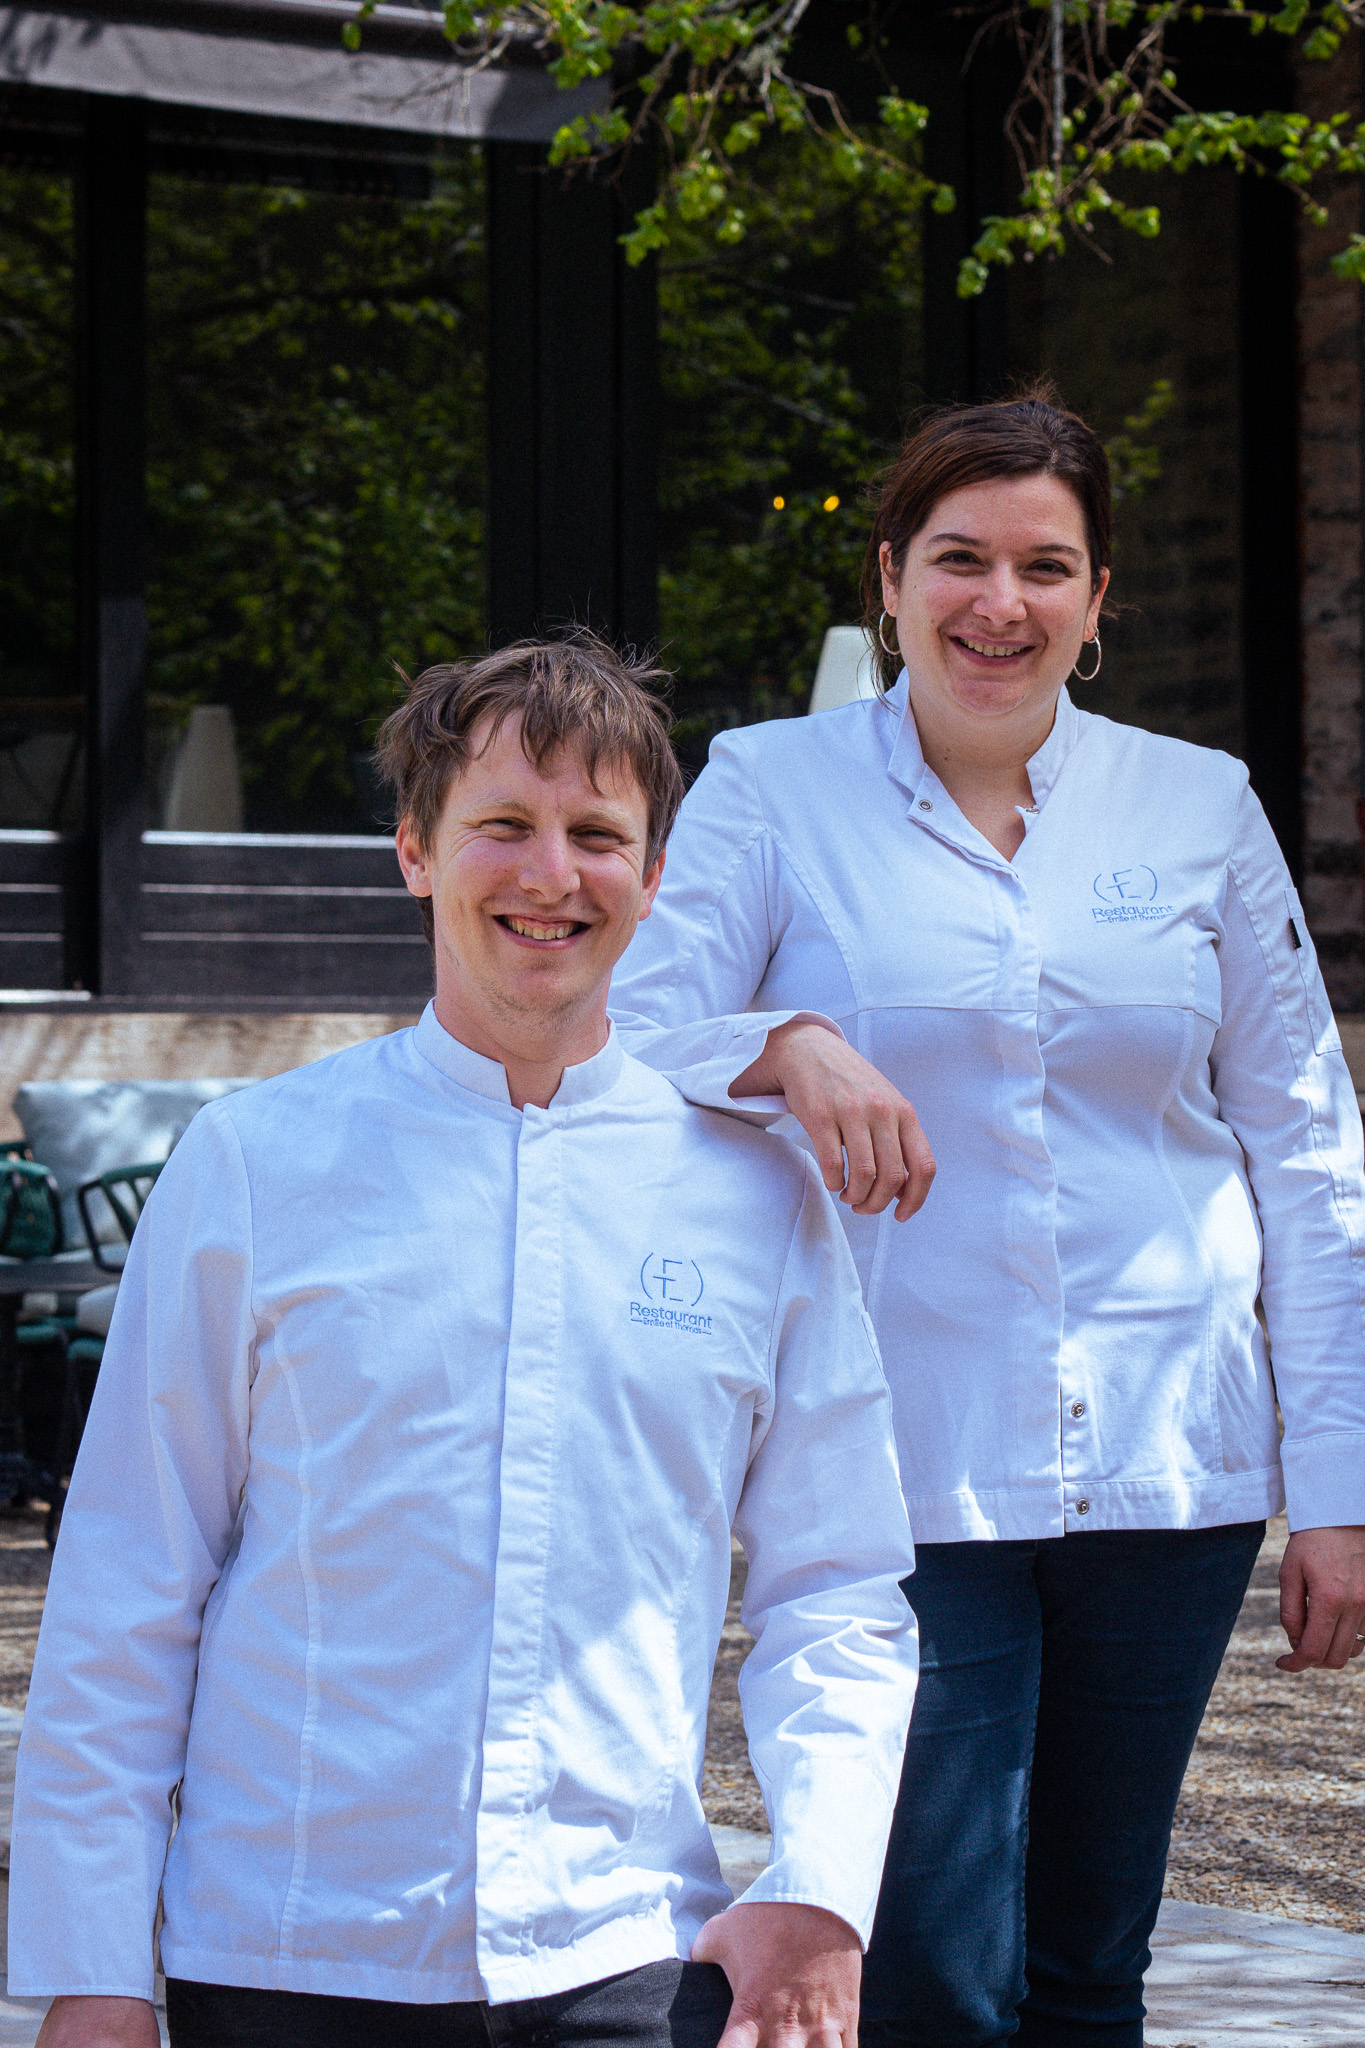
[
  {"x": 1046, "y": 765},
  {"x": 906, "y": 765},
  {"x": 469, "y": 1069}
]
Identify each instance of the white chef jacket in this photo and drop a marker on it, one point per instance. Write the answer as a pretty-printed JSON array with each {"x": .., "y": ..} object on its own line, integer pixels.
[
  {"x": 400, "y": 1541},
  {"x": 1123, "y": 1057}
]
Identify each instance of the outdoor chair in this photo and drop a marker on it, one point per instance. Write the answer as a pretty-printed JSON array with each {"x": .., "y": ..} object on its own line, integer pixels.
[
  {"x": 85, "y": 1133},
  {"x": 81, "y": 1129},
  {"x": 123, "y": 1191}
]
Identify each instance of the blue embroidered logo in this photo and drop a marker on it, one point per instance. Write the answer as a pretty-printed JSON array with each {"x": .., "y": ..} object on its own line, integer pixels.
[
  {"x": 672, "y": 1288},
  {"x": 1127, "y": 895},
  {"x": 1126, "y": 885}
]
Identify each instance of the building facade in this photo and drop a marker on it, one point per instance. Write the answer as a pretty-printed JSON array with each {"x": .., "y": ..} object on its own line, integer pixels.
[{"x": 312, "y": 369}]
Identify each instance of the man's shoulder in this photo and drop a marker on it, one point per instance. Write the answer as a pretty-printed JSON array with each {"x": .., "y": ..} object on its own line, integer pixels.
[
  {"x": 743, "y": 1152},
  {"x": 322, "y": 1087}
]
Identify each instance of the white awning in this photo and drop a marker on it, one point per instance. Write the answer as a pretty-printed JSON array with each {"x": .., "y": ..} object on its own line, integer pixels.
[{"x": 285, "y": 57}]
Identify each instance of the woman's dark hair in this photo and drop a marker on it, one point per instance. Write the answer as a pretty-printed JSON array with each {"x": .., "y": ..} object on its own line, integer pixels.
[{"x": 1027, "y": 435}]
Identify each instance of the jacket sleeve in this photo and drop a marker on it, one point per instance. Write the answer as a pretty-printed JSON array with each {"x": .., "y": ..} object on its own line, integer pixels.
[
  {"x": 1283, "y": 1086},
  {"x": 681, "y": 996},
  {"x": 828, "y": 1686},
  {"x": 149, "y": 1522}
]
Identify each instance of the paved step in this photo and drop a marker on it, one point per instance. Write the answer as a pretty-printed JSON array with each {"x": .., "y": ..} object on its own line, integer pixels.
[{"x": 1218, "y": 1979}]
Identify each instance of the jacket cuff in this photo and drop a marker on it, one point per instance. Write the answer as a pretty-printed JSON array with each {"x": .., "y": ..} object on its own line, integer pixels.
[
  {"x": 739, "y": 1045},
  {"x": 1324, "y": 1480},
  {"x": 832, "y": 1824}
]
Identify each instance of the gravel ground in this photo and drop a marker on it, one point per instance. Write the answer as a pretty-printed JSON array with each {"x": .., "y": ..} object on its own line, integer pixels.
[
  {"x": 24, "y": 1560},
  {"x": 1272, "y": 1818}
]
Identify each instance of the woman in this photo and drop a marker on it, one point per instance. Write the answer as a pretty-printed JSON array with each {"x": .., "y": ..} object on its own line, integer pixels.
[{"x": 1078, "y": 946}]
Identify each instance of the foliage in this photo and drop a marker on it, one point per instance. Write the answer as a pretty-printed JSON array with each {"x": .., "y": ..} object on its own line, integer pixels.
[
  {"x": 786, "y": 369},
  {"x": 37, "y": 429},
  {"x": 1134, "y": 459},
  {"x": 315, "y": 474},
  {"x": 1100, "y": 94},
  {"x": 708, "y": 80}
]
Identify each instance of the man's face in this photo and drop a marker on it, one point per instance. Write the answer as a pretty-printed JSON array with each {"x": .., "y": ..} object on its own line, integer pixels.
[{"x": 537, "y": 881}]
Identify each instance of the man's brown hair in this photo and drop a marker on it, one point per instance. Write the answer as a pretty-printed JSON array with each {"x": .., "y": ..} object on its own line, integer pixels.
[{"x": 572, "y": 692}]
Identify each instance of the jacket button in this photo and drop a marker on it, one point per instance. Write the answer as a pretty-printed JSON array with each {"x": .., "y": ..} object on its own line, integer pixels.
[
  {"x": 1082, "y": 1507},
  {"x": 1078, "y": 1409},
  {"x": 925, "y": 804}
]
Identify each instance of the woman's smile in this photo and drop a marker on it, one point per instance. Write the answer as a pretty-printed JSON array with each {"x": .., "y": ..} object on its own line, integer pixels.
[{"x": 993, "y": 650}]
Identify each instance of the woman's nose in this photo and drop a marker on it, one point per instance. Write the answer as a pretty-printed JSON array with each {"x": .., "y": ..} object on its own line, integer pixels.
[{"x": 1002, "y": 596}]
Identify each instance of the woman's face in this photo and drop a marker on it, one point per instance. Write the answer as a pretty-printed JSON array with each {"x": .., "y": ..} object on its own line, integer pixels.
[{"x": 995, "y": 597}]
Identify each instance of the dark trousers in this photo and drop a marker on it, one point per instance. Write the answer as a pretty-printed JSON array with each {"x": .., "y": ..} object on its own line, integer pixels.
[
  {"x": 663, "y": 2005},
  {"x": 1062, "y": 1686}
]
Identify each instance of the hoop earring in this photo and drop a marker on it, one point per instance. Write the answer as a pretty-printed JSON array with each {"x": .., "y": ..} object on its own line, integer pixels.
[
  {"x": 1099, "y": 657},
  {"x": 882, "y": 637}
]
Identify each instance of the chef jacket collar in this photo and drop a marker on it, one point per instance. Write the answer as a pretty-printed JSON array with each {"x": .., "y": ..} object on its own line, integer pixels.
[
  {"x": 471, "y": 1070},
  {"x": 907, "y": 766}
]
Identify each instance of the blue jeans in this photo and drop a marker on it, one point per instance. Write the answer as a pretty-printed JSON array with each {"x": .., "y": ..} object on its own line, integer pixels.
[{"x": 1062, "y": 1686}]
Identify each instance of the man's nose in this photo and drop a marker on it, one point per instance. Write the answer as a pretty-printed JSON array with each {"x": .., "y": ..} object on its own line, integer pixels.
[{"x": 549, "y": 868}]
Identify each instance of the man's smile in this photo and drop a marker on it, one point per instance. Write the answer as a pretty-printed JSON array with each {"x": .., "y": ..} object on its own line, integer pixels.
[{"x": 540, "y": 931}]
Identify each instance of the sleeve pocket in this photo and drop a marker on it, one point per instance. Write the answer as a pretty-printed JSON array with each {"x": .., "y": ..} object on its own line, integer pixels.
[{"x": 1321, "y": 1022}]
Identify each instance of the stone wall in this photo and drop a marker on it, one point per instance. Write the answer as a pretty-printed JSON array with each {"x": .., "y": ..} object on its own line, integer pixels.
[
  {"x": 37, "y": 1047},
  {"x": 1106, "y": 331},
  {"x": 1329, "y": 315}
]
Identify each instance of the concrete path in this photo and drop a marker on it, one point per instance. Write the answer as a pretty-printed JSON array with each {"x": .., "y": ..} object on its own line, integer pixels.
[{"x": 1218, "y": 1979}]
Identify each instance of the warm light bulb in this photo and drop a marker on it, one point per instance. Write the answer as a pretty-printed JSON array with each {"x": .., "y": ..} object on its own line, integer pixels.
[
  {"x": 831, "y": 504},
  {"x": 779, "y": 504}
]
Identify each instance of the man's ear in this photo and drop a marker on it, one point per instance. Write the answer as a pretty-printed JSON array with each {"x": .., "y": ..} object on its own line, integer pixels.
[
  {"x": 412, "y": 859},
  {"x": 649, "y": 887}
]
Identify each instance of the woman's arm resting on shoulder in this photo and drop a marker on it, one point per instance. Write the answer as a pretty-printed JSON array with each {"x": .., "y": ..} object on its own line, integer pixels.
[
  {"x": 99, "y": 2023},
  {"x": 1322, "y": 1598},
  {"x": 847, "y": 1110},
  {"x": 794, "y": 1972}
]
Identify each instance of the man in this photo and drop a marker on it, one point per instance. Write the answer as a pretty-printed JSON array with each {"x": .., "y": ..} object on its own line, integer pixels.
[{"x": 397, "y": 1552}]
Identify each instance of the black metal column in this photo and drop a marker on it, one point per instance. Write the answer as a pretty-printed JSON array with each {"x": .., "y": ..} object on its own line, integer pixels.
[
  {"x": 573, "y": 417},
  {"x": 111, "y": 267}
]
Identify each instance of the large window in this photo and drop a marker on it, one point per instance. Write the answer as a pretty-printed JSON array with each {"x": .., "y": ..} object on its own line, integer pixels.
[
  {"x": 789, "y": 363},
  {"x": 315, "y": 481},
  {"x": 41, "y": 708}
]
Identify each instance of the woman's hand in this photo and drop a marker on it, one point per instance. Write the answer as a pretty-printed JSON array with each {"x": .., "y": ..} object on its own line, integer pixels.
[
  {"x": 845, "y": 1107},
  {"x": 1322, "y": 1598}
]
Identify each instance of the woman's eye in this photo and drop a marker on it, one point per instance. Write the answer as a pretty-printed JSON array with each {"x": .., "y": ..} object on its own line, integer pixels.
[{"x": 1052, "y": 568}]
